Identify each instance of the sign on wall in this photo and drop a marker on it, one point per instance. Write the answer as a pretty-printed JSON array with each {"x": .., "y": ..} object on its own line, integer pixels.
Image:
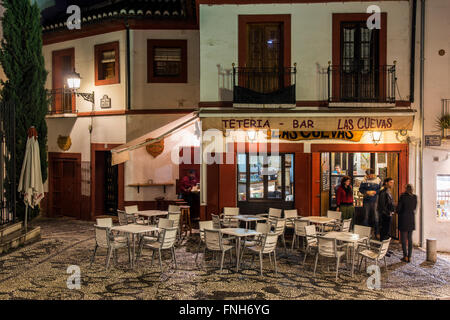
[
  {"x": 105, "y": 102},
  {"x": 327, "y": 124},
  {"x": 433, "y": 141},
  {"x": 354, "y": 136}
]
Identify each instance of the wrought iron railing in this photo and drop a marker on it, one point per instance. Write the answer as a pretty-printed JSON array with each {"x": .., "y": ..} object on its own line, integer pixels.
[
  {"x": 361, "y": 84},
  {"x": 61, "y": 101},
  {"x": 264, "y": 85},
  {"x": 8, "y": 185}
]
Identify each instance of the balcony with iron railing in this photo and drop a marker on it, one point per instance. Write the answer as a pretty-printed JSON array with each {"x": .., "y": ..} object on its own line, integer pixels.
[
  {"x": 361, "y": 84},
  {"x": 62, "y": 102},
  {"x": 268, "y": 86}
]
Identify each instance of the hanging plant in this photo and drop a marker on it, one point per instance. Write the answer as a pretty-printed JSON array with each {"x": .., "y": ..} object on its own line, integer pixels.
[{"x": 443, "y": 123}]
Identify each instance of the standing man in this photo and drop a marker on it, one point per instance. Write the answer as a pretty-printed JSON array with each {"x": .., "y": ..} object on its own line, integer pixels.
[
  {"x": 187, "y": 184},
  {"x": 370, "y": 187},
  {"x": 386, "y": 208}
]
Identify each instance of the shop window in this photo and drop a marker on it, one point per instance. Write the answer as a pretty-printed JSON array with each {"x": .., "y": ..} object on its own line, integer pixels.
[
  {"x": 337, "y": 165},
  {"x": 443, "y": 197},
  {"x": 167, "y": 61},
  {"x": 266, "y": 177},
  {"x": 107, "y": 64}
]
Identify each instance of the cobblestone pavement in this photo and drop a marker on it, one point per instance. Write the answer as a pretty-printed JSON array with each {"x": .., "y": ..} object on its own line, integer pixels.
[{"x": 39, "y": 271}]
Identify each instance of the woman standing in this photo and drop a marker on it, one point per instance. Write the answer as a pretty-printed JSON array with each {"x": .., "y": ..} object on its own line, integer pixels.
[
  {"x": 344, "y": 199},
  {"x": 406, "y": 210}
]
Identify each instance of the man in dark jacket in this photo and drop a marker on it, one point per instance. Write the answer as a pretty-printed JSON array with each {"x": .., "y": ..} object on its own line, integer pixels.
[
  {"x": 406, "y": 209},
  {"x": 386, "y": 208},
  {"x": 370, "y": 187}
]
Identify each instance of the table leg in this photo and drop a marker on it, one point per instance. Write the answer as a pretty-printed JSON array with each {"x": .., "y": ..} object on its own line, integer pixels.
[
  {"x": 133, "y": 254},
  {"x": 238, "y": 253},
  {"x": 353, "y": 259}
]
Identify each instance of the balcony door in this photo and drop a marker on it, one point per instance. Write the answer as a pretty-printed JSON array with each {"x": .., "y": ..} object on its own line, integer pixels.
[
  {"x": 264, "y": 57},
  {"x": 360, "y": 69},
  {"x": 63, "y": 63}
]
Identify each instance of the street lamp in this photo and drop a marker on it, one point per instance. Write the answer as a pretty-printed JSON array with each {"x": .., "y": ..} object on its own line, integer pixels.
[
  {"x": 74, "y": 83},
  {"x": 376, "y": 137}
]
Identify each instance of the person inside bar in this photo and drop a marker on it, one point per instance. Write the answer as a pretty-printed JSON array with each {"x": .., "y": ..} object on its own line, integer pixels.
[
  {"x": 188, "y": 186},
  {"x": 344, "y": 198},
  {"x": 370, "y": 188}
]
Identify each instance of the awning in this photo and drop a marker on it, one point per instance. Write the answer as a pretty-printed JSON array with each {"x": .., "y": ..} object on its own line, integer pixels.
[
  {"x": 308, "y": 121},
  {"x": 121, "y": 153}
]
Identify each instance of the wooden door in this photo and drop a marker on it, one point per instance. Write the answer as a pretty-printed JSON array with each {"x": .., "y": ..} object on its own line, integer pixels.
[
  {"x": 64, "y": 186},
  {"x": 63, "y": 63},
  {"x": 315, "y": 184},
  {"x": 264, "y": 57}
]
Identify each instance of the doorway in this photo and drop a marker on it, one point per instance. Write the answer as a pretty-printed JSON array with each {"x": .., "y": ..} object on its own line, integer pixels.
[
  {"x": 64, "y": 185},
  {"x": 106, "y": 184}
]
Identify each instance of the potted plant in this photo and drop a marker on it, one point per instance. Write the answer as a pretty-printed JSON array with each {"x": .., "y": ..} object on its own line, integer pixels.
[{"x": 443, "y": 123}]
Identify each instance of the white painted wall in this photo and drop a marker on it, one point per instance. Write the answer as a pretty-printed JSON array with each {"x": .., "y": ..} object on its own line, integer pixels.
[
  {"x": 85, "y": 66},
  {"x": 142, "y": 166},
  {"x": 165, "y": 95},
  {"x": 437, "y": 87},
  {"x": 311, "y": 44}
]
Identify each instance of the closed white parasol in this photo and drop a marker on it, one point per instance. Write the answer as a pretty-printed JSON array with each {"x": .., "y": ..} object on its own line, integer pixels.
[{"x": 30, "y": 183}]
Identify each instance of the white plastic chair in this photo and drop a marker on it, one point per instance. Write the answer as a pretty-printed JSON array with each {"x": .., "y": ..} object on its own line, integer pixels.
[
  {"x": 279, "y": 225},
  {"x": 166, "y": 241},
  {"x": 275, "y": 212},
  {"x": 290, "y": 215},
  {"x": 268, "y": 246},
  {"x": 345, "y": 227},
  {"x": 262, "y": 228},
  {"x": 311, "y": 240},
  {"x": 213, "y": 241},
  {"x": 105, "y": 239},
  {"x": 363, "y": 232},
  {"x": 327, "y": 247},
  {"x": 337, "y": 216},
  {"x": 299, "y": 232},
  {"x": 174, "y": 209},
  {"x": 175, "y": 217},
  {"x": 202, "y": 226},
  {"x": 125, "y": 218},
  {"x": 227, "y": 217},
  {"x": 375, "y": 251}
]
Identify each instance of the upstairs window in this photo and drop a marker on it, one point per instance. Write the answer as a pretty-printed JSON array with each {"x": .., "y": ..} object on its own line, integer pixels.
[
  {"x": 107, "y": 64},
  {"x": 167, "y": 61}
]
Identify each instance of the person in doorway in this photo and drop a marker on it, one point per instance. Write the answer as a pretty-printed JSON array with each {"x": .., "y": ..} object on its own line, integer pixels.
[
  {"x": 370, "y": 187},
  {"x": 386, "y": 208},
  {"x": 187, "y": 184},
  {"x": 344, "y": 198},
  {"x": 406, "y": 210}
]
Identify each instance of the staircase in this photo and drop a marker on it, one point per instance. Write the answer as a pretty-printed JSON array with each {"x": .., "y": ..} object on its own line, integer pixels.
[{"x": 14, "y": 235}]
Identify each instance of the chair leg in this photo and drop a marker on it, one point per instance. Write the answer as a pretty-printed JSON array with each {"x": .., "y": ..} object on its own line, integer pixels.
[
  {"x": 315, "y": 263},
  {"x": 198, "y": 250},
  {"x": 270, "y": 259},
  {"x": 284, "y": 243},
  {"x": 153, "y": 257},
  {"x": 253, "y": 259},
  {"x": 174, "y": 258},
  {"x": 337, "y": 267},
  {"x": 160, "y": 260},
  {"x": 306, "y": 254},
  {"x": 261, "y": 262},
  {"x": 275, "y": 261},
  {"x": 385, "y": 263},
  {"x": 93, "y": 256},
  {"x": 221, "y": 261},
  {"x": 108, "y": 258},
  {"x": 293, "y": 241}
]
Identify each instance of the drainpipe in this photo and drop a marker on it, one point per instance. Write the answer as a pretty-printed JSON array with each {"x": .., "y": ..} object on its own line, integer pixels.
[
  {"x": 422, "y": 129},
  {"x": 127, "y": 25},
  {"x": 413, "y": 52}
]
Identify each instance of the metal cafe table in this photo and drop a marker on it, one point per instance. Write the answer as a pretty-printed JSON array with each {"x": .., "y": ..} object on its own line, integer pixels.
[
  {"x": 248, "y": 218},
  {"x": 151, "y": 214},
  {"x": 134, "y": 229},
  {"x": 318, "y": 220},
  {"x": 239, "y": 234},
  {"x": 348, "y": 237}
]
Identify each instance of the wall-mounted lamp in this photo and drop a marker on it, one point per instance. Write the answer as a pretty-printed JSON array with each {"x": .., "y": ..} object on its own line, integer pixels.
[
  {"x": 376, "y": 137},
  {"x": 74, "y": 83}
]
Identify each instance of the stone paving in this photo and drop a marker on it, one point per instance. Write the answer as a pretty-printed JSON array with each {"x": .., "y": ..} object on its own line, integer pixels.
[{"x": 39, "y": 271}]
